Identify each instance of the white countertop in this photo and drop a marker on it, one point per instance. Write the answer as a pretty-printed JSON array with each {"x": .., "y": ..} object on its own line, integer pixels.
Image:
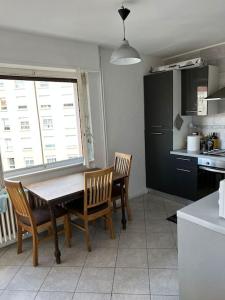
[
  {"x": 184, "y": 152},
  {"x": 204, "y": 212}
]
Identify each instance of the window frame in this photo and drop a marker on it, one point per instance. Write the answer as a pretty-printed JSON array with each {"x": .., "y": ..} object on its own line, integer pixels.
[{"x": 46, "y": 167}]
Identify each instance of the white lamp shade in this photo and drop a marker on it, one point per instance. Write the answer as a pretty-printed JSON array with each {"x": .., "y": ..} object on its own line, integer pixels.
[{"x": 125, "y": 55}]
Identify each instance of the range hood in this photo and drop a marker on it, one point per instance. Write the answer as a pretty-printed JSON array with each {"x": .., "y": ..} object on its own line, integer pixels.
[{"x": 218, "y": 95}]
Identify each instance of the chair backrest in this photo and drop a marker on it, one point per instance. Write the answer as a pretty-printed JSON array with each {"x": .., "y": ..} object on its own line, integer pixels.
[
  {"x": 122, "y": 163},
  {"x": 19, "y": 201},
  {"x": 97, "y": 188}
]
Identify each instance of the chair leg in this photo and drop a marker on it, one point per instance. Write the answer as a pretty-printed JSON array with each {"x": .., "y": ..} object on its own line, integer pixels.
[
  {"x": 68, "y": 231},
  {"x": 111, "y": 228},
  {"x": 35, "y": 249},
  {"x": 87, "y": 236},
  {"x": 19, "y": 239},
  {"x": 127, "y": 206}
]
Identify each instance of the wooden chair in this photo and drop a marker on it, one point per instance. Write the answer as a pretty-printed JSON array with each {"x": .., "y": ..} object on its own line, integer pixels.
[
  {"x": 122, "y": 165},
  {"x": 33, "y": 220},
  {"x": 97, "y": 202}
]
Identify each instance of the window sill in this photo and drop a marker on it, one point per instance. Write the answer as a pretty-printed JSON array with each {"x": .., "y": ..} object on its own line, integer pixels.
[{"x": 46, "y": 174}]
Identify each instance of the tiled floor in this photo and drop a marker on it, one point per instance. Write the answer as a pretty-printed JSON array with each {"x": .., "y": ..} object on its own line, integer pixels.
[{"x": 141, "y": 264}]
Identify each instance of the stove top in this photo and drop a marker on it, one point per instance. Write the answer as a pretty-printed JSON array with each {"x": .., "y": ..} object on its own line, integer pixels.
[{"x": 216, "y": 152}]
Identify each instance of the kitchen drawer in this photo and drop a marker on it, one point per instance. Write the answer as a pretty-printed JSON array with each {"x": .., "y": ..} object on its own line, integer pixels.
[
  {"x": 184, "y": 162},
  {"x": 185, "y": 176}
]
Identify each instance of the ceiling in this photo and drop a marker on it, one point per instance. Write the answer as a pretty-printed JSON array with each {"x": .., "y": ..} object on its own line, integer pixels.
[{"x": 156, "y": 27}]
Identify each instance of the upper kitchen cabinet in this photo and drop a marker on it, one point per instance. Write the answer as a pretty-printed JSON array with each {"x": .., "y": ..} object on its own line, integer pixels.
[{"x": 196, "y": 85}]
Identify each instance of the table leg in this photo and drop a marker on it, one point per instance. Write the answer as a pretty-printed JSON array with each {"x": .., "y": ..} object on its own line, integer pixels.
[
  {"x": 55, "y": 234},
  {"x": 123, "y": 221}
]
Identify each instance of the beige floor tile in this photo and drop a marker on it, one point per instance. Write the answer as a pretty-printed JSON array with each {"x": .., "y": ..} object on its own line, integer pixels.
[
  {"x": 17, "y": 295},
  {"x": 54, "y": 296},
  {"x": 164, "y": 282},
  {"x": 101, "y": 257},
  {"x": 62, "y": 279},
  {"x": 96, "y": 280},
  {"x": 72, "y": 257},
  {"x": 91, "y": 296},
  {"x": 28, "y": 279},
  {"x": 153, "y": 297},
  {"x": 132, "y": 240},
  {"x": 160, "y": 240},
  {"x": 130, "y": 297},
  {"x": 162, "y": 258},
  {"x": 131, "y": 281},
  {"x": 11, "y": 258},
  {"x": 6, "y": 274},
  {"x": 158, "y": 226},
  {"x": 132, "y": 258}
]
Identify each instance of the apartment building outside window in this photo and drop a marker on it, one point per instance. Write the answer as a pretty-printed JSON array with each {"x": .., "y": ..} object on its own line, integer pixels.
[
  {"x": 8, "y": 144},
  {"x": 29, "y": 162},
  {"x": 24, "y": 125},
  {"x": 3, "y": 104},
  {"x": 6, "y": 124},
  {"x": 11, "y": 163},
  {"x": 47, "y": 123},
  {"x": 25, "y": 130}
]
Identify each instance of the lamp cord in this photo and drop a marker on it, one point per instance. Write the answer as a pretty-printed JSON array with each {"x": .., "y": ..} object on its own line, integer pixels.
[{"x": 124, "y": 31}]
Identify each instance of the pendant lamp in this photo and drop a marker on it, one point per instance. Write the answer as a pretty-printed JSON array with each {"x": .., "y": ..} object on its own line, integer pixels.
[{"x": 125, "y": 54}]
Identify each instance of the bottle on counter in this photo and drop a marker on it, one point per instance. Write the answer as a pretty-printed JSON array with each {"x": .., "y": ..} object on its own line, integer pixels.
[{"x": 216, "y": 142}]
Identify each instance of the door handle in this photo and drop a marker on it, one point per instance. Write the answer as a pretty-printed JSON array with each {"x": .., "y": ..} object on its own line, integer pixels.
[
  {"x": 156, "y": 126},
  {"x": 191, "y": 111},
  {"x": 180, "y": 158},
  {"x": 183, "y": 170},
  {"x": 157, "y": 133}
]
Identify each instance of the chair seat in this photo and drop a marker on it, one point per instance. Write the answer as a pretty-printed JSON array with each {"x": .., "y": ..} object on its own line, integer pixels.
[
  {"x": 78, "y": 206},
  {"x": 42, "y": 215},
  {"x": 116, "y": 191}
]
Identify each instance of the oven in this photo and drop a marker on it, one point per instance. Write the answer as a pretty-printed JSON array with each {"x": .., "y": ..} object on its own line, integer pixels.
[{"x": 210, "y": 172}]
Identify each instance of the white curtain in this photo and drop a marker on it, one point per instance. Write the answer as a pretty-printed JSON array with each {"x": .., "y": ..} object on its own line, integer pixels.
[{"x": 85, "y": 118}]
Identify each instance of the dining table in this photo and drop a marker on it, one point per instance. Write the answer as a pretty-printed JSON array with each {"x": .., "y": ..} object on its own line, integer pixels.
[{"x": 63, "y": 189}]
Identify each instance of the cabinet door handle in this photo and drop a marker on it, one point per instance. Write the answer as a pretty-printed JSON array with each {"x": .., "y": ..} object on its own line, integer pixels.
[
  {"x": 157, "y": 133},
  {"x": 180, "y": 158},
  {"x": 183, "y": 170},
  {"x": 191, "y": 111},
  {"x": 156, "y": 126}
]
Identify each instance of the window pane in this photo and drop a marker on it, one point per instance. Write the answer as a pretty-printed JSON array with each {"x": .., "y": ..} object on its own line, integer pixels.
[{"x": 39, "y": 123}]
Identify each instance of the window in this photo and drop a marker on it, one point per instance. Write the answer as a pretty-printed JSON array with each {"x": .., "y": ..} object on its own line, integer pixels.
[
  {"x": 50, "y": 159},
  {"x": 50, "y": 146},
  {"x": 29, "y": 161},
  {"x": 26, "y": 143},
  {"x": 68, "y": 105},
  {"x": 6, "y": 125},
  {"x": 41, "y": 139},
  {"x": 8, "y": 144},
  {"x": 45, "y": 106},
  {"x": 24, "y": 125},
  {"x": 47, "y": 123},
  {"x": 3, "y": 104},
  {"x": 22, "y": 107},
  {"x": 19, "y": 84},
  {"x": 11, "y": 163}
]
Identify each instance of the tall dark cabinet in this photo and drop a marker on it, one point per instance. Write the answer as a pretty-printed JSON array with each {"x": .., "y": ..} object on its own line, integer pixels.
[{"x": 158, "y": 95}]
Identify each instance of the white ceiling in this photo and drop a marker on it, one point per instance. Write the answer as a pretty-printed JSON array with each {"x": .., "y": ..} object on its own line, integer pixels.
[{"x": 156, "y": 27}]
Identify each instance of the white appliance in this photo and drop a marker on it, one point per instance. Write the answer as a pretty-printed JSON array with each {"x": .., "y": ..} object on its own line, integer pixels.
[{"x": 187, "y": 64}]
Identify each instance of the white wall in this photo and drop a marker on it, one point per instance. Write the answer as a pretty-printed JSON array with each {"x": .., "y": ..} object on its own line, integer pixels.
[
  {"x": 37, "y": 50},
  {"x": 124, "y": 112}
]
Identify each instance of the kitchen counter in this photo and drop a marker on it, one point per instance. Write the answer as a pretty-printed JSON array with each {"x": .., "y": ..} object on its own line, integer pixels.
[
  {"x": 184, "y": 152},
  {"x": 201, "y": 250},
  {"x": 204, "y": 212}
]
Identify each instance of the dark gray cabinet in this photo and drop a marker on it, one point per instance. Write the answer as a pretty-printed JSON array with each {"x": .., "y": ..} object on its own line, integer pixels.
[
  {"x": 158, "y": 92},
  {"x": 194, "y": 83},
  {"x": 185, "y": 177}
]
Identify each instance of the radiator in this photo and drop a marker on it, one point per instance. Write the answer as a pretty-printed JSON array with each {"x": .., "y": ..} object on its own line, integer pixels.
[{"x": 7, "y": 226}]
